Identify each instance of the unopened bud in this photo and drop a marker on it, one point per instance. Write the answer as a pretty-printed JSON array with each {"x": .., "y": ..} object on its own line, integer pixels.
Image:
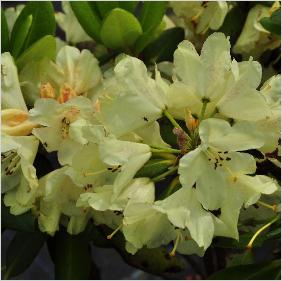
[
  {"x": 191, "y": 122},
  {"x": 15, "y": 122}
]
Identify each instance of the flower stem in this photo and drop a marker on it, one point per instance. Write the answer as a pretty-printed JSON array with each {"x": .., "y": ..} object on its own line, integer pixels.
[
  {"x": 172, "y": 120},
  {"x": 174, "y": 185},
  {"x": 203, "y": 110},
  {"x": 250, "y": 244},
  {"x": 163, "y": 175},
  {"x": 164, "y": 149}
]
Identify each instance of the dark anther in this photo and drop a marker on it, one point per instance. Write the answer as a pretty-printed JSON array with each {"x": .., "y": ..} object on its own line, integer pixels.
[
  {"x": 256, "y": 206},
  {"x": 145, "y": 119},
  {"x": 225, "y": 152},
  {"x": 217, "y": 212},
  {"x": 228, "y": 159}
]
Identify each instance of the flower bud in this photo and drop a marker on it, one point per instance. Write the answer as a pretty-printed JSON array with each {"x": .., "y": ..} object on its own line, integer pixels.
[
  {"x": 15, "y": 122},
  {"x": 191, "y": 122}
]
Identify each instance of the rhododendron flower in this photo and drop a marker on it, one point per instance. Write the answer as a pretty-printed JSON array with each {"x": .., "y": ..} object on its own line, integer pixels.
[
  {"x": 18, "y": 175},
  {"x": 62, "y": 125},
  {"x": 68, "y": 22},
  {"x": 73, "y": 74},
  {"x": 254, "y": 38},
  {"x": 225, "y": 88},
  {"x": 57, "y": 197},
  {"x": 130, "y": 99},
  {"x": 199, "y": 16}
]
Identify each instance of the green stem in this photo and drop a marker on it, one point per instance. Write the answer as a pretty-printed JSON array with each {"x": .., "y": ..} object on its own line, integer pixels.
[
  {"x": 173, "y": 185},
  {"x": 165, "y": 149},
  {"x": 204, "y": 107},
  {"x": 163, "y": 175},
  {"x": 172, "y": 120},
  {"x": 213, "y": 113}
]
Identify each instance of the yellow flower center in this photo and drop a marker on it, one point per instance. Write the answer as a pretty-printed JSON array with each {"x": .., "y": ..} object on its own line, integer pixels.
[
  {"x": 47, "y": 91},
  {"x": 66, "y": 93}
]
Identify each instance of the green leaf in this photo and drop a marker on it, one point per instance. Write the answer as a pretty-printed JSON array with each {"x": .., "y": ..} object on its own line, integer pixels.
[
  {"x": 147, "y": 37},
  {"x": 273, "y": 24},
  {"x": 163, "y": 47},
  {"x": 43, "y": 23},
  {"x": 4, "y": 33},
  {"x": 260, "y": 271},
  {"x": 22, "y": 251},
  {"x": 244, "y": 239},
  {"x": 272, "y": 233},
  {"x": 120, "y": 29},
  {"x": 104, "y": 7},
  {"x": 152, "y": 14},
  {"x": 166, "y": 131},
  {"x": 88, "y": 18},
  {"x": 19, "y": 40},
  {"x": 154, "y": 167},
  {"x": 24, "y": 222},
  {"x": 151, "y": 21},
  {"x": 240, "y": 259},
  {"x": 72, "y": 256},
  {"x": 128, "y": 5},
  {"x": 43, "y": 48}
]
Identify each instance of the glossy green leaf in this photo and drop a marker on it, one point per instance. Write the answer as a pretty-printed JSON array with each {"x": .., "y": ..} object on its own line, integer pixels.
[
  {"x": 262, "y": 271},
  {"x": 25, "y": 222},
  {"x": 20, "y": 39},
  {"x": 273, "y": 24},
  {"x": 43, "y": 23},
  {"x": 128, "y": 5},
  {"x": 154, "y": 167},
  {"x": 4, "y": 33},
  {"x": 88, "y": 18},
  {"x": 148, "y": 37},
  {"x": 152, "y": 14},
  {"x": 43, "y": 48},
  {"x": 72, "y": 257},
  {"x": 151, "y": 21},
  {"x": 120, "y": 29},
  {"x": 104, "y": 7},
  {"x": 21, "y": 252},
  {"x": 244, "y": 239},
  {"x": 166, "y": 131},
  {"x": 240, "y": 259},
  {"x": 163, "y": 47}
]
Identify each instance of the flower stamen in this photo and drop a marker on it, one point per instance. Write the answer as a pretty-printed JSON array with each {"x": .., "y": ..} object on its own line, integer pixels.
[
  {"x": 176, "y": 243},
  {"x": 109, "y": 237}
]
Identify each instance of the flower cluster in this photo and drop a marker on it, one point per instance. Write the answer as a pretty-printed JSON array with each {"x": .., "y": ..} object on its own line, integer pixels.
[{"x": 104, "y": 128}]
